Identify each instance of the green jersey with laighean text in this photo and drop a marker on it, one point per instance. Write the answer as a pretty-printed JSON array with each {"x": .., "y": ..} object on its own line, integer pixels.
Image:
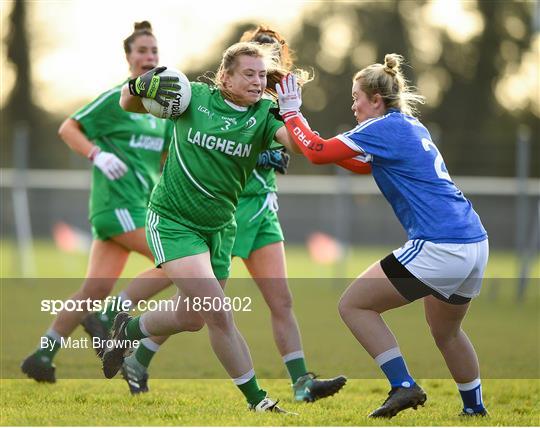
[
  {"x": 214, "y": 150},
  {"x": 136, "y": 139}
]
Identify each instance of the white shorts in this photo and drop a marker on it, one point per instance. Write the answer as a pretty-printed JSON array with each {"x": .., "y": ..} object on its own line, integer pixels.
[{"x": 448, "y": 269}]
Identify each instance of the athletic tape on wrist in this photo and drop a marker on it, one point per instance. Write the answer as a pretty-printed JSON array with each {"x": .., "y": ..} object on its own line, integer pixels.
[{"x": 93, "y": 153}]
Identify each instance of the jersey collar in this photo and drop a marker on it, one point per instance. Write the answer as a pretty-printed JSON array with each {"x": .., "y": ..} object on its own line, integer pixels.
[{"x": 234, "y": 106}]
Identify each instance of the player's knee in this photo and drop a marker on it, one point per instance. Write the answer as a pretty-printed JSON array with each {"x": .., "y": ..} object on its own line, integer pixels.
[
  {"x": 194, "y": 324},
  {"x": 281, "y": 306},
  {"x": 220, "y": 319},
  {"x": 443, "y": 337},
  {"x": 440, "y": 340},
  {"x": 344, "y": 308},
  {"x": 188, "y": 321}
]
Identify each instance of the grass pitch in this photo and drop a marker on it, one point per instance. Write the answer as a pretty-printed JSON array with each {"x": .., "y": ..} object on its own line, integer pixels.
[
  {"x": 506, "y": 334},
  {"x": 217, "y": 403}
]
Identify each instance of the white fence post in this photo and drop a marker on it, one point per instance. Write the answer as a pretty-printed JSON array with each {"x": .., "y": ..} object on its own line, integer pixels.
[{"x": 23, "y": 225}]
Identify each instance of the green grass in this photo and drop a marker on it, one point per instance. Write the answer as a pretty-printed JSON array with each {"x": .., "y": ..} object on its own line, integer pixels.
[
  {"x": 506, "y": 335},
  {"x": 216, "y": 402},
  {"x": 52, "y": 263}
]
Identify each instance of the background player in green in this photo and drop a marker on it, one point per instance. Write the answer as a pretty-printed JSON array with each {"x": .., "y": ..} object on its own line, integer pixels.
[
  {"x": 190, "y": 223},
  {"x": 259, "y": 242},
  {"x": 126, "y": 151}
]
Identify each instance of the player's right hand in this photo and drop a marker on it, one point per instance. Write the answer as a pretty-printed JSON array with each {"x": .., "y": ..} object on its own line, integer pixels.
[
  {"x": 151, "y": 85},
  {"x": 110, "y": 165}
]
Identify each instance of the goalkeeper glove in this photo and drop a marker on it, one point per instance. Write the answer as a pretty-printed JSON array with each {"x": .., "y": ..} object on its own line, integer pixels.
[
  {"x": 275, "y": 159},
  {"x": 151, "y": 85}
]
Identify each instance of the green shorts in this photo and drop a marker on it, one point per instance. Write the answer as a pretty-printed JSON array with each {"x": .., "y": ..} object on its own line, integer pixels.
[
  {"x": 115, "y": 222},
  {"x": 169, "y": 240},
  {"x": 257, "y": 224}
]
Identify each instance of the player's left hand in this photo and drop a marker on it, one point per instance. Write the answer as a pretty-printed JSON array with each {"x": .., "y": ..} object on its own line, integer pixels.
[
  {"x": 289, "y": 96},
  {"x": 276, "y": 159},
  {"x": 110, "y": 165}
]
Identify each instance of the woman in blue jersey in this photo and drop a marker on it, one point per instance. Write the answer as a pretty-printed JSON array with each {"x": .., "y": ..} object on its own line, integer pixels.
[{"x": 443, "y": 260}]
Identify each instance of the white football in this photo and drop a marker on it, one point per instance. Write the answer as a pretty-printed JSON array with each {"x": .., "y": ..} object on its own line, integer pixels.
[{"x": 177, "y": 104}]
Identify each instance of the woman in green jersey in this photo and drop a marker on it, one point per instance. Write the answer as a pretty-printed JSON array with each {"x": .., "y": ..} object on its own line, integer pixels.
[
  {"x": 259, "y": 242},
  {"x": 190, "y": 223},
  {"x": 125, "y": 150}
]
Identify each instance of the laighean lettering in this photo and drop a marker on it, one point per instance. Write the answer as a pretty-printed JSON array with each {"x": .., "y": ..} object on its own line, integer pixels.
[
  {"x": 211, "y": 142},
  {"x": 146, "y": 142}
]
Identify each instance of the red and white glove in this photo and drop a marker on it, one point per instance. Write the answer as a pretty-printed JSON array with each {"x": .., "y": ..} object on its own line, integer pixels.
[
  {"x": 289, "y": 97},
  {"x": 316, "y": 149},
  {"x": 109, "y": 164}
]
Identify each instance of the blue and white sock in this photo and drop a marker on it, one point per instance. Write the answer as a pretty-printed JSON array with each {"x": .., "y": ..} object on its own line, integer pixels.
[
  {"x": 471, "y": 394},
  {"x": 393, "y": 365}
]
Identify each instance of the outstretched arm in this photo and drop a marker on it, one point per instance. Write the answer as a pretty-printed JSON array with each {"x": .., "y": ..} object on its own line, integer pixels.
[
  {"x": 355, "y": 165},
  {"x": 286, "y": 140},
  {"x": 318, "y": 150}
]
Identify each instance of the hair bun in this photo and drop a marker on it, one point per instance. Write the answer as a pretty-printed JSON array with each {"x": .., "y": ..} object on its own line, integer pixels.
[
  {"x": 392, "y": 63},
  {"x": 143, "y": 25}
]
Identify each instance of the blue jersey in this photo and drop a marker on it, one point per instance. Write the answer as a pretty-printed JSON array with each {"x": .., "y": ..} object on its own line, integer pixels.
[{"x": 411, "y": 174}]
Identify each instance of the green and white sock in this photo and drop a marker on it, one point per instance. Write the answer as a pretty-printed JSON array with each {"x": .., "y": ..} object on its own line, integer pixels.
[
  {"x": 146, "y": 351},
  {"x": 135, "y": 329},
  {"x": 49, "y": 345},
  {"x": 247, "y": 383},
  {"x": 296, "y": 365}
]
